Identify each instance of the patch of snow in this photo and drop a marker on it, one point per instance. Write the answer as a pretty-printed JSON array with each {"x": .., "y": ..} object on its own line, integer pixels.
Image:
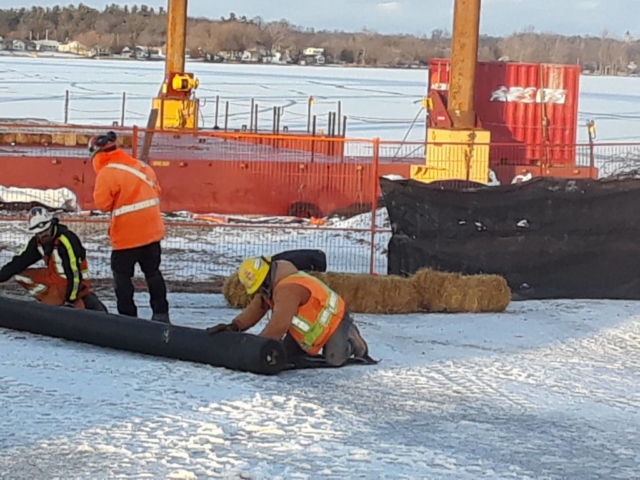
[
  {"x": 545, "y": 390},
  {"x": 60, "y": 198},
  {"x": 394, "y": 177}
]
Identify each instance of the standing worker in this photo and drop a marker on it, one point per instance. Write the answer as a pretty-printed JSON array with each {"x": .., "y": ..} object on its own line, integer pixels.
[
  {"x": 307, "y": 315},
  {"x": 128, "y": 189},
  {"x": 65, "y": 279}
]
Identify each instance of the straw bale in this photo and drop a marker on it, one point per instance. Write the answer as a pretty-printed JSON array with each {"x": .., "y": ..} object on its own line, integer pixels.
[
  {"x": 125, "y": 141},
  {"x": 7, "y": 138},
  {"x": 27, "y": 139},
  {"x": 58, "y": 139},
  {"x": 363, "y": 293},
  {"x": 456, "y": 293},
  {"x": 82, "y": 139},
  {"x": 234, "y": 292},
  {"x": 427, "y": 290}
]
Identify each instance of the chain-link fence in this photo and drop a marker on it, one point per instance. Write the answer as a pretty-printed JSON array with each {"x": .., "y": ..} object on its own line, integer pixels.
[
  {"x": 227, "y": 196},
  {"x": 200, "y": 253}
]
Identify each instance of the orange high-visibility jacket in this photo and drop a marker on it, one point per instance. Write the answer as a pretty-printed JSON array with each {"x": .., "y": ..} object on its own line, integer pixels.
[{"x": 129, "y": 190}]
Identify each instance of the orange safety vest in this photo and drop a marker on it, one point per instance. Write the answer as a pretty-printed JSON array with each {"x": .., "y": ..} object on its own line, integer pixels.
[{"x": 318, "y": 319}]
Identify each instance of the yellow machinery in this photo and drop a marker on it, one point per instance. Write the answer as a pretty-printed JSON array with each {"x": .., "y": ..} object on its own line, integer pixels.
[
  {"x": 176, "y": 105},
  {"x": 458, "y": 148}
]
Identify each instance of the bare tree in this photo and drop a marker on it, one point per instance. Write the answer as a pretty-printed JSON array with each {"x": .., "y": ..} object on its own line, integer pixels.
[{"x": 119, "y": 26}]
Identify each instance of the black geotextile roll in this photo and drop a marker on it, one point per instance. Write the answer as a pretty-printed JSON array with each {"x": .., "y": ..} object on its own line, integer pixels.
[
  {"x": 548, "y": 237},
  {"x": 235, "y": 351}
]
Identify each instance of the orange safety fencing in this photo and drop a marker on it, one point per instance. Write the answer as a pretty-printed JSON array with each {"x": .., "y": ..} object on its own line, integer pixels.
[{"x": 229, "y": 195}]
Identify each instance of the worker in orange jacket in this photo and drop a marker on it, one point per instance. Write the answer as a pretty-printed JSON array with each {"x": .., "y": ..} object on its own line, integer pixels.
[
  {"x": 64, "y": 281},
  {"x": 128, "y": 189},
  {"x": 307, "y": 315}
]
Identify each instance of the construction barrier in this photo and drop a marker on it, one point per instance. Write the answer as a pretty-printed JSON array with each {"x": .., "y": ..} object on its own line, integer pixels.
[{"x": 227, "y": 195}]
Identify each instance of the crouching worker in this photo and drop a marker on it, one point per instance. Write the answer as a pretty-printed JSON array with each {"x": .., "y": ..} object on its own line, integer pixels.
[
  {"x": 306, "y": 314},
  {"x": 65, "y": 279}
]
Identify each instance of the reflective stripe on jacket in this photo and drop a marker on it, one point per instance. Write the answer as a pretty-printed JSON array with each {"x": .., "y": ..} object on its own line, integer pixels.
[
  {"x": 319, "y": 318},
  {"x": 129, "y": 190},
  {"x": 65, "y": 259}
]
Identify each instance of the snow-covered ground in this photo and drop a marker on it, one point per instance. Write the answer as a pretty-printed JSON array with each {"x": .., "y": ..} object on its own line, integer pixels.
[
  {"x": 383, "y": 103},
  {"x": 546, "y": 390}
]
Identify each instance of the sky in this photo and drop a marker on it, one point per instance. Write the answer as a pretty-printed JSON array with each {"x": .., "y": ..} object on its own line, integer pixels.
[{"x": 499, "y": 17}]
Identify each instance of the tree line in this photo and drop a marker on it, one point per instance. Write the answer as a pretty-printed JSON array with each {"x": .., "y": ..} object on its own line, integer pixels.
[{"x": 116, "y": 27}]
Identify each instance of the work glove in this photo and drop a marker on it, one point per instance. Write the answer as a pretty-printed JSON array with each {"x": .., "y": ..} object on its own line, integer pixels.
[{"x": 223, "y": 327}]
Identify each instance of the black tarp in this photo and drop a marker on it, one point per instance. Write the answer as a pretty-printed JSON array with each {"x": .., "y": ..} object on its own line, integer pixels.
[
  {"x": 236, "y": 351},
  {"x": 549, "y": 237}
]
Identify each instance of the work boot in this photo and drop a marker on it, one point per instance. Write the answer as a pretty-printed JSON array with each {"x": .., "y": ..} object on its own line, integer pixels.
[{"x": 161, "y": 317}]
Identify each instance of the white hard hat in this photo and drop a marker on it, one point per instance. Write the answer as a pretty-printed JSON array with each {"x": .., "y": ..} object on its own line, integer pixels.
[{"x": 39, "y": 220}]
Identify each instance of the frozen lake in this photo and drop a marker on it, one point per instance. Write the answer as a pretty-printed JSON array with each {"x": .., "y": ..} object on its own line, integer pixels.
[{"x": 385, "y": 103}]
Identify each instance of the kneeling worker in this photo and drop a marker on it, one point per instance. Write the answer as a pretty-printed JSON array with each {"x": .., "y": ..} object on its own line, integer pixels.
[
  {"x": 313, "y": 317},
  {"x": 64, "y": 281}
]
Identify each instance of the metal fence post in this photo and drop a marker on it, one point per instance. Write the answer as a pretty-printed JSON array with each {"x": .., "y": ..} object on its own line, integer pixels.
[
  {"x": 374, "y": 203},
  {"x": 134, "y": 142},
  {"x": 124, "y": 105},
  {"x": 66, "y": 107}
]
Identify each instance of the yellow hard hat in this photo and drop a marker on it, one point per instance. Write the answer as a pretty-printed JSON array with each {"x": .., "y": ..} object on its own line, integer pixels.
[{"x": 253, "y": 272}]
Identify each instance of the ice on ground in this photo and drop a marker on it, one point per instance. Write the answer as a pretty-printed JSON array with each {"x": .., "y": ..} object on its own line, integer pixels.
[{"x": 545, "y": 390}]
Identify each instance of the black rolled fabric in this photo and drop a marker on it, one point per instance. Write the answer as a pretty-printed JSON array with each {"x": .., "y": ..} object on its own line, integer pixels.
[{"x": 235, "y": 351}]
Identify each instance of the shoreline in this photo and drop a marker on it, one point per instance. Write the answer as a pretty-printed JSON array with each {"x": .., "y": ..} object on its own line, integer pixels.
[{"x": 62, "y": 56}]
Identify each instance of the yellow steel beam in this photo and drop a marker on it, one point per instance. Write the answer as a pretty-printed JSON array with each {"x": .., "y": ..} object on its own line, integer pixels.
[
  {"x": 176, "y": 36},
  {"x": 464, "y": 56}
]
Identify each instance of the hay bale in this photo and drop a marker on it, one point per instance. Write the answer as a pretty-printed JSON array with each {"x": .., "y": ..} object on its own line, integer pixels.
[
  {"x": 126, "y": 141},
  {"x": 362, "y": 293},
  {"x": 235, "y": 293},
  {"x": 58, "y": 139},
  {"x": 27, "y": 139},
  {"x": 82, "y": 139},
  {"x": 388, "y": 294},
  {"x": 70, "y": 139},
  {"x": 427, "y": 290},
  {"x": 456, "y": 293},
  {"x": 7, "y": 138}
]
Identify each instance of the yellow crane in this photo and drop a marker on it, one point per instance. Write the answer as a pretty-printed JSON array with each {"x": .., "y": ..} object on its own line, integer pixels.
[
  {"x": 176, "y": 107},
  {"x": 459, "y": 151}
]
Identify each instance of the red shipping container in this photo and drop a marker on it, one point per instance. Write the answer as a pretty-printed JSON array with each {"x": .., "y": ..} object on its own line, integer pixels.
[{"x": 531, "y": 106}]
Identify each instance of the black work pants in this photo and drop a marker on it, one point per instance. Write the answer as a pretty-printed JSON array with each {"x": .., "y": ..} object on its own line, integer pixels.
[{"x": 123, "y": 264}]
